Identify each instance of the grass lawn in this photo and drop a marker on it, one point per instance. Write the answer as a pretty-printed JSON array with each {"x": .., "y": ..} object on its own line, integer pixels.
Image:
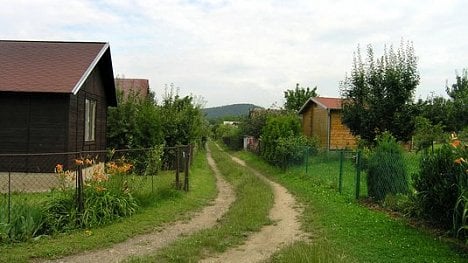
[
  {"x": 247, "y": 214},
  {"x": 345, "y": 231},
  {"x": 166, "y": 205}
]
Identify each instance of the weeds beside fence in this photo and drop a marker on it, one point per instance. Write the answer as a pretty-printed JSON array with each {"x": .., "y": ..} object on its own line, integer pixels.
[{"x": 42, "y": 194}]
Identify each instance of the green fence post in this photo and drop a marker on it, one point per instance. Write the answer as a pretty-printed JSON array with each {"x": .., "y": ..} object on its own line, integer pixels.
[
  {"x": 358, "y": 173},
  {"x": 340, "y": 180},
  {"x": 307, "y": 159}
]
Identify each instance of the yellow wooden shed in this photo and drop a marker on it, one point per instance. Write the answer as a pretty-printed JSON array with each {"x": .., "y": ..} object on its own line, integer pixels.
[{"x": 321, "y": 117}]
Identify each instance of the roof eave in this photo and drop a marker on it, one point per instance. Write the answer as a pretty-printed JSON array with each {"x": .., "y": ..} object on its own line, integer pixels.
[
  {"x": 90, "y": 69},
  {"x": 301, "y": 110}
]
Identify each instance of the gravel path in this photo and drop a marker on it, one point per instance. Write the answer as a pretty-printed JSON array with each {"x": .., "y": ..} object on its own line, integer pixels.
[
  {"x": 149, "y": 243},
  {"x": 261, "y": 245}
]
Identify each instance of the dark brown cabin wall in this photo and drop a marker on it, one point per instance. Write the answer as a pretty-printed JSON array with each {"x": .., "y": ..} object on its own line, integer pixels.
[
  {"x": 32, "y": 123},
  {"x": 92, "y": 88},
  {"x": 48, "y": 123},
  {"x": 14, "y": 114}
]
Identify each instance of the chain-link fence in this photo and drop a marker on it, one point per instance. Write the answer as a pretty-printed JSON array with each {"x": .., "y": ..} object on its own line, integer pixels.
[
  {"x": 30, "y": 182},
  {"x": 347, "y": 171}
]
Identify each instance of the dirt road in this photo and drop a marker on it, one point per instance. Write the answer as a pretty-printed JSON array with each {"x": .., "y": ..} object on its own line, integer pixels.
[
  {"x": 261, "y": 245},
  {"x": 150, "y": 243}
]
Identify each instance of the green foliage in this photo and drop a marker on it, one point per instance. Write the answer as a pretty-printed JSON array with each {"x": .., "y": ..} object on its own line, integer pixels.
[
  {"x": 400, "y": 203},
  {"x": 426, "y": 133},
  {"x": 134, "y": 123},
  {"x": 458, "y": 104},
  {"x": 103, "y": 203},
  {"x": 141, "y": 123},
  {"x": 386, "y": 169},
  {"x": 154, "y": 160},
  {"x": 232, "y": 136},
  {"x": 460, "y": 216},
  {"x": 378, "y": 94},
  {"x": 26, "y": 222},
  {"x": 182, "y": 120},
  {"x": 296, "y": 98},
  {"x": 281, "y": 140},
  {"x": 254, "y": 124},
  {"x": 105, "y": 206},
  {"x": 436, "y": 186}
]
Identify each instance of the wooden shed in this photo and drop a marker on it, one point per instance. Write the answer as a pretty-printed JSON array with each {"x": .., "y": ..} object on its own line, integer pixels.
[
  {"x": 54, "y": 97},
  {"x": 321, "y": 117},
  {"x": 138, "y": 87}
]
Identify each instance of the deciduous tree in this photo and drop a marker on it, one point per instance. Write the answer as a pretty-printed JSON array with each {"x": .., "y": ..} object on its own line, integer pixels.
[
  {"x": 296, "y": 98},
  {"x": 378, "y": 95}
]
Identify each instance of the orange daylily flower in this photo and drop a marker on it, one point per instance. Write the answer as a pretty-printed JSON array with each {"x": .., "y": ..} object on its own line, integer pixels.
[
  {"x": 78, "y": 162},
  {"x": 460, "y": 160},
  {"x": 456, "y": 143},
  {"x": 59, "y": 168}
]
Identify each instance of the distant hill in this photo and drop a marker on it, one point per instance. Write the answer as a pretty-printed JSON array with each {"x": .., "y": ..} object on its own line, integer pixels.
[{"x": 228, "y": 110}]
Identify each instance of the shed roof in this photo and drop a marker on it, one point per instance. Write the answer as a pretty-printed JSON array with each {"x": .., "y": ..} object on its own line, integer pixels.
[
  {"x": 51, "y": 66},
  {"x": 139, "y": 86},
  {"x": 326, "y": 103}
]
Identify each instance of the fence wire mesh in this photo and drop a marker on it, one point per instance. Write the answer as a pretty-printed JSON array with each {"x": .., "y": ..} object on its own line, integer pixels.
[
  {"x": 29, "y": 181},
  {"x": 347, "y": 171}
]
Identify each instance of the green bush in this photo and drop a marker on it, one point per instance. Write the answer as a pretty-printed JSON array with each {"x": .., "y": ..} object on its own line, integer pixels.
[
  {"x": 436, "y": 186},
  {"x": 386, "y": 169},
  {"x": 281, "y": 141}
]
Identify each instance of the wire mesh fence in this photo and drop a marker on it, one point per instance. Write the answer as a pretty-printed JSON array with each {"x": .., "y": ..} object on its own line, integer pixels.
[
  {"x": 347, "y": 171},
  {"x": 29, "y": 183}
]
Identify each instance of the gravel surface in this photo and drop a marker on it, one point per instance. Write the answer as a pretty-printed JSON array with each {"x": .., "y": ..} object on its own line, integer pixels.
[{"x": 286, "y": 229}]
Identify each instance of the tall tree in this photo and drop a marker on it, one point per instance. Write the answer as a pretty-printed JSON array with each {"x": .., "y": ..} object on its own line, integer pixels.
[
  {"x": 458, "y": 102},
  {"x": 378, "y": 95},
  {"x": 296, "y": 98}
]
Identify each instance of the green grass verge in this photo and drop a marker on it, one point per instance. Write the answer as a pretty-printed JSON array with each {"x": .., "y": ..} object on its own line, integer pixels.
[
  {"x": 248, "y": 213},
  {"x": 167, "y": 205},
  {"x": 345, "y": 231}
]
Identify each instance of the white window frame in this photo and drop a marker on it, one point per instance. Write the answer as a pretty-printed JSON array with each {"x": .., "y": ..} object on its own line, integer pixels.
[{"x": 90, "y": 120}]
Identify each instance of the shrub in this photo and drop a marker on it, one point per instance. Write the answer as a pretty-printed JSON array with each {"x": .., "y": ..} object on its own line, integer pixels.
[
  {"x": 436, "y": 186},
  {"x": 386, "y": 169}
]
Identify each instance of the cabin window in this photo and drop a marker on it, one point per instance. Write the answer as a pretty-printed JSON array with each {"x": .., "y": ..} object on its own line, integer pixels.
[{"x": 90, "y": 120}]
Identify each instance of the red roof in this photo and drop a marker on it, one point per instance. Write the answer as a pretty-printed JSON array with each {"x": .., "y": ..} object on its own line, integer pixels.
[
  {"x": 42, "y": 66},
  {"x": 138, "y": 86},
  {"x": 326, "y": 103}
]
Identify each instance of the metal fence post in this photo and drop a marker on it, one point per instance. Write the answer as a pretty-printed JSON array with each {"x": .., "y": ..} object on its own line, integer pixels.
[
  {"x": 340, "y": 178},
  {"x": 9, "y": 197},
  {"x": 358, "y": 173},
  {"x": 79, "y": 189},
  {"x": 177, "y": 180},
  {"x": 187, "y": 164}
]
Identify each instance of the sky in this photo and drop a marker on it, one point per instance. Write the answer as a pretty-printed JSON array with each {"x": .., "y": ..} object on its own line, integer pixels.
[{"x": 226, "y": 52}]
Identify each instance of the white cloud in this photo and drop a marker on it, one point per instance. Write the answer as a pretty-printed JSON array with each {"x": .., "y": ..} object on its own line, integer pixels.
[{"x": 249, "y": 51}]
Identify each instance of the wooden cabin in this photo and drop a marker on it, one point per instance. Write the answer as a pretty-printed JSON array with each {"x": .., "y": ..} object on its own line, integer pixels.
[
  {"x": 321, "y": 117},
  {"x": 54, "y": 98}
]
